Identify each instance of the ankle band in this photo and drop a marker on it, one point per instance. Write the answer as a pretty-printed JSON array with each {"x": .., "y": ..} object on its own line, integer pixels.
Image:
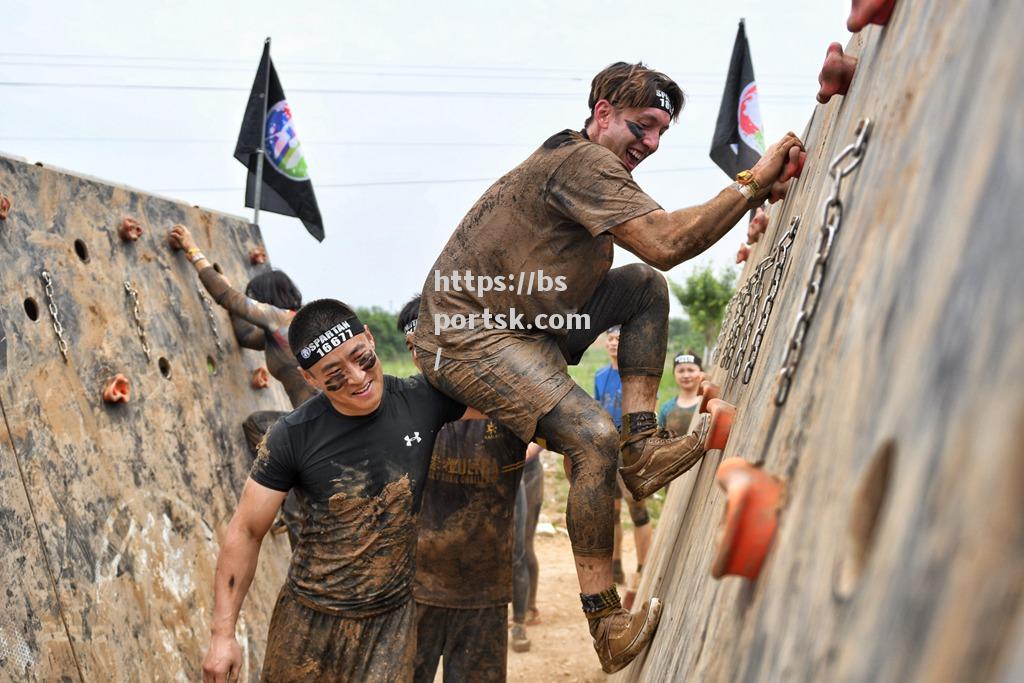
[
  {"x": 600, "y": 602},
  {"x": 634, "y": 423}
]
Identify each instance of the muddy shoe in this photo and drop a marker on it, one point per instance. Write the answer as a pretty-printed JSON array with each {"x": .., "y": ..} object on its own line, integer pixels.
[
  {"x": 619, "y": 636},
  {"x": 662, "y": 456},
  {"x": 518, "y": 639}
]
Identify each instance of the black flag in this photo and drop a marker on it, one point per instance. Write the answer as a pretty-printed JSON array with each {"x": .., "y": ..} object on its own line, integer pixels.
[
  {"x": 287, "y": 188},
  {"x": 739, "y": 133}
]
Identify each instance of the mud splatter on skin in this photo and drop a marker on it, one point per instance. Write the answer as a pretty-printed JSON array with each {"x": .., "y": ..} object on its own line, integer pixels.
[{"x": 231, "y": 582}]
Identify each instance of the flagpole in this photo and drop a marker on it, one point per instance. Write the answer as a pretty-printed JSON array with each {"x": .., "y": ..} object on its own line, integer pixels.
[{"x": 263, "y": 132}]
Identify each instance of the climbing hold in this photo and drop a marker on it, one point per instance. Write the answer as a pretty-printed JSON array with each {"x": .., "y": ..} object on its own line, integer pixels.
[
  {"x": 866, "y": 12},
  {"x": 257, "y": 256},
  {"x": 260, "y": 378},
  {"x": 130, "y": 229},
  {"x": 836, "y": 73},
  {"x": 5, "y": 207},
  {"x": 722, "y": 414},
  {"x": 707, "y": 391},
  {"x": 794, "y": 165},
  {"x": 743, "y": 253},
  {"x": 752, "y": 505},
  {"x": 117, "y": 390},
  {"x": 757, "y": 225}
]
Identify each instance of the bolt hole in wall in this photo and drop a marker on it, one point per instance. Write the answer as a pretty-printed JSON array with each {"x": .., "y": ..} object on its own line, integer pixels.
[
  {"x": 165, "y": 367},
  {"x": 211, "y": 365},
  {"x": 865, "y": 515},
  {"x": 31, "y": 309},
  {"x": 82, "y": 250}
]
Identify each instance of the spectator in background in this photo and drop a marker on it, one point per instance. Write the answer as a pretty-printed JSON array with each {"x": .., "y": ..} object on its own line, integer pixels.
[
  {"x": 608, "y": 392},
  {"x": 525, "y": 567},
  {"x": 676, "y": 413}
]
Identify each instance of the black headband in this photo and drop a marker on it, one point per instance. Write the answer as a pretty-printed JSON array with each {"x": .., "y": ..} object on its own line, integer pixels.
[
  {"x": 685, "y": 358},
  {"x": 410, "y": 327},
  {"x": 662, "y": 101},
  {"x": 328, "y": 340}
]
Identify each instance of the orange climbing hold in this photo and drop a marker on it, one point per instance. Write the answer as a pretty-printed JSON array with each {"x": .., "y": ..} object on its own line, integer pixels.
[
  {"x": 117, "y": 390},
  {"x": 722, "y": 415},
  {"x": 743, "y": 253},
  {"x": 260, "y": 378},
  {"x": 257, "y": 256},
  {"x": 866, "y": 12},
  {"x": 836, "y": 73},
  {"x": 753, "y": 498},
  {"x": 707, "y": 391},
  {"x": 5, "y": 207},
  {"x": 130, "y": 229}
]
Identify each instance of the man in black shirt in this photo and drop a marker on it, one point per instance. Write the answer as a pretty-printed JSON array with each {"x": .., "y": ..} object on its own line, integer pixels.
[{"x": 357, "y": 455}]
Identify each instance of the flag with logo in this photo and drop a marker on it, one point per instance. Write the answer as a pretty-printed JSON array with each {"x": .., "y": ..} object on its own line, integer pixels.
[
  {"x": 739, "y": 134},
  {"x": 267, "y": 125}
]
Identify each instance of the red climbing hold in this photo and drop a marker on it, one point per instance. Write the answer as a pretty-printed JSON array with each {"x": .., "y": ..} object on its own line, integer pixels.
[
  {"x": 722, "y": 414},
  {"x": 757, "y": 225},
  {"x": 5, "y": 207},
  {"x": 707, "y": 391},
  {"x": 260, "y": 378},
  {"x": 257, "y": 256},
  {"x": 753, "y": 498},
  {"x": 836, "y": 73},
  {"x": 130, "y": 229},
  {"x": 743, "y": 253},
  {"x": 866, "y": 12},
  {"x": 117, "y": 390}
]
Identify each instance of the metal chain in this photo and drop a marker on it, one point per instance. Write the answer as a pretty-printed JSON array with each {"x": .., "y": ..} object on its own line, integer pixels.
[
  {"x": 781, "y": 255},
  {"x": 755, "y": 299},
  {"x": 737, "y": 325},
  {"x": 134, "y": 295},
  {"x": 832, "y": 220},
  {"x": 209, "y": 314},
  {"x": 713, "y": 354},
  {"x": 54, "y": 314}
]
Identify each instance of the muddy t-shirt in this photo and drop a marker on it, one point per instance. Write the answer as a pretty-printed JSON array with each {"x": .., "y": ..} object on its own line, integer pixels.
[
  {"x": 675, "y": 418},
  {"x": 464, "y": 552},
  {"x": 540, "y": 235},
  {"x": 359, "y": 481}
]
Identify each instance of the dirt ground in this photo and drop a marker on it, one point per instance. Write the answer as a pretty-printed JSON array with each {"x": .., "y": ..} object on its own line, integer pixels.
[{"x": 560, "y": 646}]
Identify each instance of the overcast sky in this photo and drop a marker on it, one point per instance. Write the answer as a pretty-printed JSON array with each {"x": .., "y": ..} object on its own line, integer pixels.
[{"x": 407, "y": 111}]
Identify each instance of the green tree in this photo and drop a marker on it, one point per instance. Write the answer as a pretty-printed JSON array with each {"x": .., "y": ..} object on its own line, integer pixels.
[
  {"x": 390, "y": 342},
  {"x": 704, "y": 296}
]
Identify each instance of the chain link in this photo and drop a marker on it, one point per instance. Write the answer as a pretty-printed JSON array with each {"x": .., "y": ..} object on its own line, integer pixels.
[
  {"x": 780, "y": 256},
  {"x": 54, "y": 313},
  {"x": 755, "y": 299},
  {"x": 209, "y": 314},
  {"x": 133, "y": 294},
  {"x": 737, "y": 325},
  {"x": 832, "y": 220}
]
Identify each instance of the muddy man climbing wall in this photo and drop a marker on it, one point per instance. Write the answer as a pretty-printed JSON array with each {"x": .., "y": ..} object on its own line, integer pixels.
[
  {"x": 886, "y": 390},
  {"x": 111, "y": 513}
]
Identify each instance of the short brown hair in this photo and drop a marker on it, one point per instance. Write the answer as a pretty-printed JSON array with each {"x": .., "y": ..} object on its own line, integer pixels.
[{"x": 633, "y": 85}]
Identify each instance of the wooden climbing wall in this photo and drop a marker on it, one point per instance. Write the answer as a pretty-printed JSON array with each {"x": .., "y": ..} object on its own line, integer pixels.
[
  {"x": 111, "y": 515},
  {"x": 907, "y": 406}
]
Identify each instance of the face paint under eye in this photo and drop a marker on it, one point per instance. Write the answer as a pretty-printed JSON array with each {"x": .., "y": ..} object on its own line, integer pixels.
[
  {"x": 635, "y": 129},
  {"x": 368, "y": 361},
  {"x": 334, "y": 383}
]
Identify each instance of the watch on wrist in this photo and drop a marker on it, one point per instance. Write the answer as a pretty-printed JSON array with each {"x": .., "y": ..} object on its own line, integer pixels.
[{"x": 746, "y": 178}]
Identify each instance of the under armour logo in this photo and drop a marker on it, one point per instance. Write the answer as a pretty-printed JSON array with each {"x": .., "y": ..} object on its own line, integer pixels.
[{"x": 409, "y": 439}]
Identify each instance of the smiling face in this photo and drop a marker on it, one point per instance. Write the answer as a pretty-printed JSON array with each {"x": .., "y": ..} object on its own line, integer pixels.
[
  {"x": 687, "y": 376},
  {"x": 631, "y": 133},
  {"x": 350, "y": 376}
]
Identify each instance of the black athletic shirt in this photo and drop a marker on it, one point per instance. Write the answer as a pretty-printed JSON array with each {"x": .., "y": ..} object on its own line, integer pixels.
[{"x": 359, "y": 481}]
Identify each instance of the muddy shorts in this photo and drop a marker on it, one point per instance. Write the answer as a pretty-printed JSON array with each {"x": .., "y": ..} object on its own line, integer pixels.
[
  {"x": 516, "y": 386},
  {"x": 472, "y": 642},
  {"x": 304, "y": 644}
]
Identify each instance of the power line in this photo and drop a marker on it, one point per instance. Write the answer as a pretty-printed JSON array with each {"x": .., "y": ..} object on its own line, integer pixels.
[
  {"x": 355, "y": 91},
  {"x": 436, "y": 181}
]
